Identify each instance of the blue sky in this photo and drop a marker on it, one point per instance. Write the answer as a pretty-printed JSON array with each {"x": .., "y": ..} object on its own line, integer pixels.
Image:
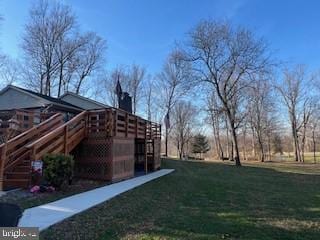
[{"x": 144, "y": 31}]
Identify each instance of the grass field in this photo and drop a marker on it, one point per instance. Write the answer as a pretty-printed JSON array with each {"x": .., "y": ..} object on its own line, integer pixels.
[{"x": 209, "y": 201}]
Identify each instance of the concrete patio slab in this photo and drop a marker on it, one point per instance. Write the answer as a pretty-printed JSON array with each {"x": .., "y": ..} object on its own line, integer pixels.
[{"x": 48, "y": 214}]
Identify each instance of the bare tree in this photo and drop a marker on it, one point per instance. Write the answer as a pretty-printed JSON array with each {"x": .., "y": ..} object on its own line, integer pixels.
[
  {"x": 109, "y": 84},
  {"x": 89, "y": 58},
  {"x": 314, "y": 127},
  {"x": 57, "y": 56},
  {"x": 149, "y": 96},
  {"x": 308, "y": 108},
  {"x": 172, "y": 85},
  {"x": 9, "y": 72},
  {"x": 260, "y": 110},
  {"x": 225, "y": 58},
  {"x": 66, "y": 51},
  {"x": 46, "y": 26},
  {"x": 294, "y": 95},
  {"x": 216, "y": 115},
  {"x": 135, "y": 79},
  {"x": 184, "y": 120}
]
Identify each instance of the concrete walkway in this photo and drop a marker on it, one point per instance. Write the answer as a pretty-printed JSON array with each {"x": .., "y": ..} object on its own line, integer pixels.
[{"x": 46, "y": 215}]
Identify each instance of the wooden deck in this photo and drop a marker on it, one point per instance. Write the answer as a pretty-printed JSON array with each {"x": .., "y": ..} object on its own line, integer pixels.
[{"x": 55, "y": 136}]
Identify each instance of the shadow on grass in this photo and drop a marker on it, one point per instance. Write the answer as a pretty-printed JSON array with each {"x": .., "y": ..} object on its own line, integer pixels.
[{"x": 205, "y": 201}]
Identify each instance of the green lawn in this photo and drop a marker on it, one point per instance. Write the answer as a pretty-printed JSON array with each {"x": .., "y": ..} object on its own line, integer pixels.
[{"x": 208, "y": 201}]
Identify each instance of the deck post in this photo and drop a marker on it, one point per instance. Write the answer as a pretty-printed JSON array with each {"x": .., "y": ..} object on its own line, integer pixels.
[
  {"x": 146, "y": 155},
  {"x": 111, "y": 123},
  {"x": 127, "y": 123},
  {"x": 106, "y": 122},
  {"x": 145, "y": 147},
  {"x": 66, "y": 140},
  {"x": 86, "y": 125},
  {"x": 136, "y": 126},
  {"x": 2, "y": 164},
  {"x": 116, "y": 123}
]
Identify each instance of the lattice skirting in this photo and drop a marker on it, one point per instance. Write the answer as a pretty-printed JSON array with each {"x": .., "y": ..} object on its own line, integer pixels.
[
  {"x": 105, "y": 158},
  {"x": 156, "y": 154}
]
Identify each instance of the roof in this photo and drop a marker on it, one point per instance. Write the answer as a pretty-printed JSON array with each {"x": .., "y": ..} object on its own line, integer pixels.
[
  {"x": 52, "y": 100},
  {"x": 83, "y": 102}
]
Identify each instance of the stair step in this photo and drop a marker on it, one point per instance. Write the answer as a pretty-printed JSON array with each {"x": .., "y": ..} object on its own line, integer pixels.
[
  {"x": 22, "y": 169},
  {"x": 23, "y": 165},
  {"x": 17, "y": 175},
  {"x": 15, "y": 183},
  {"x": 26, "y": 162}
]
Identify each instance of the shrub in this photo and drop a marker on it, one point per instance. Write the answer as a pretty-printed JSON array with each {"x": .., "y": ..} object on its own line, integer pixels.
[{"x": 58, "y": 169}]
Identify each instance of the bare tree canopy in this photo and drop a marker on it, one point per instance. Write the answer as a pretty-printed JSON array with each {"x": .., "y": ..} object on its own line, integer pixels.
[
  {"x": 133, "y": 83},
  {"x": 226, "y": 57},
  {"x": 184, "y": 115},
  {"x": 54, "y": 49},
  {"x": 299, "y": 104},
  {"x": 109, "y": 84},
  {"x": 260, "y": 110},
  {"x": 216, "y": 117},
  {"x": 173, "y": 82}
]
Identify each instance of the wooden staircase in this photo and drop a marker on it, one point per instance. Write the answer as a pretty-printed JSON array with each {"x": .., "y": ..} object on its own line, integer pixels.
[
  {"x": 62, "y": 139},
  {"x": 55, "y": 136},
  {"x": 15, "y": 160}
]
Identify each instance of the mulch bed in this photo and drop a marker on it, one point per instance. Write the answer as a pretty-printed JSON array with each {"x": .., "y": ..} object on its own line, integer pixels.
[{"x": 24, "y": 199}]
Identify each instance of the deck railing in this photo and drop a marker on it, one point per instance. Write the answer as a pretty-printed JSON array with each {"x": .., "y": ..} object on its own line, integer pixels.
[
  {"x": 14, "y": 151},
  {"x": 62, "y": 139},
  {"x": 111, "y": 122},
  {"x": 118, "y": 123}
]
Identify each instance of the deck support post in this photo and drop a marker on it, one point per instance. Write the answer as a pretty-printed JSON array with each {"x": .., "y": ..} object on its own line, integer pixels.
[
  {"x": 66, "y": 140},
  {"x": 146, "y": 156},
  {"x": 145, "y": 147},
  {"x": 2, "y": 164},
  {"x": 115, "y": 123},
  {"x": 136, "y": 126},
  {"x": 126, "y": 124}
]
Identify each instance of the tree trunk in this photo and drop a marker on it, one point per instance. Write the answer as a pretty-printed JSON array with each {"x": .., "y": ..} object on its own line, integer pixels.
[
  {"x": 295, "y": 142},
  {"x": 232, "y": 147},
  {"x": 182, "y": 149},
  {"x": 60, "y": 79},
  {"x": 228, "y": 140},
  {"x": 314, "y": 147},
  {"x": 261, "y": 149},
  {"x": 217, "y": 140},
  {"x": 244, "y": 144},
  {"x": 269, "y": 147},
  {"x": 303, "y": 142},
  {"x": 166, "y": 143},
  {"x": 253, "y": 145},
  {"x": 236, "y": 147}
]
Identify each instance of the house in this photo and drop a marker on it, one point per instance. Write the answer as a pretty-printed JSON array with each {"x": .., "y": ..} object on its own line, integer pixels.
[
  {"x": 107, "y": 143},
  {"x": 12, "y": 97},
  {"x": 30, "y": 108}
]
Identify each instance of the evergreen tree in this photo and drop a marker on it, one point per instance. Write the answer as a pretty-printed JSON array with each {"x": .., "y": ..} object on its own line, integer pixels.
[{"x": 200, "y": 144}]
